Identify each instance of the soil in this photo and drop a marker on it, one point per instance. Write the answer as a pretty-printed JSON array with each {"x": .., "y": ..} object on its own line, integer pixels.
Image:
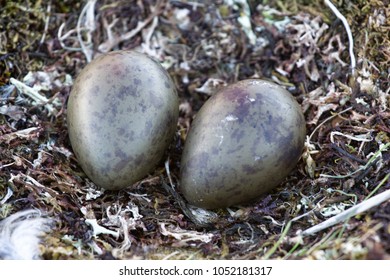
[{"x": 204, "y": 46}]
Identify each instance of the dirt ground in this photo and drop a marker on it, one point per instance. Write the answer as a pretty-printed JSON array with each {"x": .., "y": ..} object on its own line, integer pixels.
[{"x": 204, "y": 45}]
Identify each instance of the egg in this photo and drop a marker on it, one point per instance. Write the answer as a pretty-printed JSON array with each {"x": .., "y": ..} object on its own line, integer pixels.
[
  {"x": 122, "y": 116},
  {"x": 243, "y": 142}
]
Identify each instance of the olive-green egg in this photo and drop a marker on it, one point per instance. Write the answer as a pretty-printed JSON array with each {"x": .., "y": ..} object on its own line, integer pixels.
[
  {"x": 243, "y": 142},
  {"x": 122, "y": 116}
]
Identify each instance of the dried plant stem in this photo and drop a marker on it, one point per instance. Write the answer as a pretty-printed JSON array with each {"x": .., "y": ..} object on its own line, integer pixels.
[
  {"x": 85, "y": 26},
  {"x": 361, "y": 168},
  {"x": 328, "y": 119},
  {"x": 88, "y": 14},
  {"x": 359, "y": 208},
  {"x": 348, "y": 30},
  {"x": 115, "y": 39},
  {"x": 7, "y": 195},
  {"x": 34, "y": 95},
  {"x": 377, "y": 187},
  {"x": 97, "y": 229},
  {"x": 47, "y": 20},
  {"x": 271, "y": 251},
  {"x": 286, "y": 229}
]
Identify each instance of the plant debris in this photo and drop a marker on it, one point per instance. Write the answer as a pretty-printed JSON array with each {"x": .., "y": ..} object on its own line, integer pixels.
[{"x": 204, "y": 46}]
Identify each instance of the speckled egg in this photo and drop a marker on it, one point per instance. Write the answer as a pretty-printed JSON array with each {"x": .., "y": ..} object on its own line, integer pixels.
[
  {"x": 243, "y": 142},
  {"x": 122, "y": 116}
]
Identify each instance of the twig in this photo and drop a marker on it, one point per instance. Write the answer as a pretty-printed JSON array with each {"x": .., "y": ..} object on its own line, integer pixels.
[
  {"x": 378, "y": 187},
  {"x": 167, "y": 169},
  {"x": 88, "y": 11},
  {"x": 62, "y": 38},
  {"x": 310, "y": 148},
  {"x": 98, "y": 229},
  {"x": 349, "y": 33},
  {"x": 47, "y": 20},
  {"x": 34, "y": 95},
  {"x": 361, "y": 138},
  {"x": 9, "y": 193},
  {"x": 87, "y": 15},
  {"x": 116, "y": 39},
  {"x": 328, "y": 119},
  {"x": 271, "y": 251},
  {"x": 359, "y": 208},
  {"x": 345, "y": 153},
  {"x": 367, "y": 165}
]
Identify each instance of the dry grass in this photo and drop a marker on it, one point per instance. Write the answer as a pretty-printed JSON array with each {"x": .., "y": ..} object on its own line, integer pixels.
[{"x": 304, "y": 47}]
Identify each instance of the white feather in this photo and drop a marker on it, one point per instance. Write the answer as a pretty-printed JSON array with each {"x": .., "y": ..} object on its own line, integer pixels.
[{"x": 20, "y": 235}]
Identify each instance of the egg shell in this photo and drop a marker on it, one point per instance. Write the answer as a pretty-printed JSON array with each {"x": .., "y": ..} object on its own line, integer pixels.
[
  {"x": 243, "y": 142},
  {"x": 122, "y": 116}
]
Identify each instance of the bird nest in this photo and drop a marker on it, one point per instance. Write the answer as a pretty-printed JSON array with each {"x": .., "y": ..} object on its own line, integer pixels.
[{"x": 340, "y": 182}]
